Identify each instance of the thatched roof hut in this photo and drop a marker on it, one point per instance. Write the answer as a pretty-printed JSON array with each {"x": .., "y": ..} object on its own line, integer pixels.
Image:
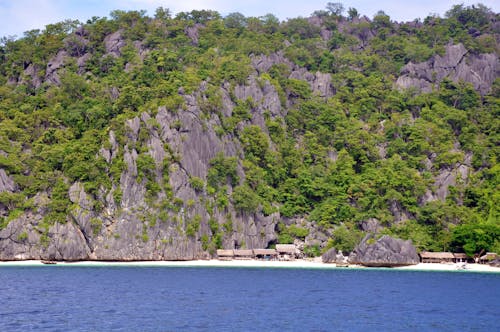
[
  {"x": 436, "y": 257},
  {"x": 225, "y": 253},
  {"x": 265, "y": 252},
  {"x": 460, "y": 255},
  {"x": 243, "y": 253},
  {"x": 286, "y": 249}
]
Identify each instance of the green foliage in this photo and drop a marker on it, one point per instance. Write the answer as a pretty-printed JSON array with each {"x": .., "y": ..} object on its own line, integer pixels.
[
  {"x": 96, "y": 225},
  {"x": 193, "y": 225},
  {"x": 476, "y": 238},
  {"x": 345, "y": 238},
  {"x": 196, "y": 183},
  {"x": 23, "y": 236},
  {"x": 245, "y": 199},
  {"x": 288, "y": 234},
  {"x": 222, "y": 169}
]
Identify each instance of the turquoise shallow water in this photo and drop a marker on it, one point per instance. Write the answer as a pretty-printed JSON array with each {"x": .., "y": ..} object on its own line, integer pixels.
[{"x": 74, "y": 298}]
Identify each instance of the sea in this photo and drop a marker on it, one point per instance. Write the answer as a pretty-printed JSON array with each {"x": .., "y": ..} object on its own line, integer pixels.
[{"x": 73, "y": 298}]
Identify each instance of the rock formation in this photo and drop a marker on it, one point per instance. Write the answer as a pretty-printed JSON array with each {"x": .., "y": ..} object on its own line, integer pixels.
[
  {"x": 384, "y": 252},
  {"x": 457, "y": 64}
]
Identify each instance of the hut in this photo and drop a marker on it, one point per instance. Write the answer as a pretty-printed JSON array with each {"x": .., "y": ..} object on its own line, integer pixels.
[
  {"x": 461, "y": 258},
  {"x": 436, "y": 257},
  {"x": 286, "y": 251},
  {"x": 225, "y": 254},
  {"x": 243, "y": 254},
  {"x": 265, "y": 254}
]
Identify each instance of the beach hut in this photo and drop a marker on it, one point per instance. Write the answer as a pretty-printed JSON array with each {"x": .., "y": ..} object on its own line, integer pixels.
[
  {"x": 286, "y": 251},
  {"x": 266, "y": 254},
  {"x": 436, "y": 257},
  {"x": 225, "y": 254},
  {"x": 461, "y": 258},
  {"x": 243, "y": 254}
]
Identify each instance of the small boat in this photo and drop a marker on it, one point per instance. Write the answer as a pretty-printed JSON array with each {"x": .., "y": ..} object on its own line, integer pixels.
[
  {"x": 461, "y": 266},
  {"x": 49, "y": 262}
]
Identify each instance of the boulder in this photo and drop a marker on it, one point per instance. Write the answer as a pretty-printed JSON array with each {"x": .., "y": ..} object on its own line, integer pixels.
[
  {"x": 384, "y": 252},
  {"x": 334, "y": 256},
  {"x": 495, "y": 262}
]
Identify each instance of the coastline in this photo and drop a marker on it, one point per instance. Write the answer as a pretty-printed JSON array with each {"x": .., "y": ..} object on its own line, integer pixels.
[{"x": 296, "y": 264}]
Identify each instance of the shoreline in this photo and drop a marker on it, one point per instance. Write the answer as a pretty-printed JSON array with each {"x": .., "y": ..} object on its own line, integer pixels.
[{"x": 297, "y": 264}]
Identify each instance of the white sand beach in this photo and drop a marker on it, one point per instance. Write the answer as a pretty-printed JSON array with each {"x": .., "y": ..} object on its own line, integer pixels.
[{"x": 299, "y": 263}]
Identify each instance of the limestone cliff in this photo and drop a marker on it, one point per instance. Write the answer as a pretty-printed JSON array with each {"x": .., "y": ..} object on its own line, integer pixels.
[{"x": 164, "y": 138}]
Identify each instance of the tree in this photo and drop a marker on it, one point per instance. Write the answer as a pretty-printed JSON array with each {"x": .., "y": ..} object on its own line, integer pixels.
[
  {"x": 235, "y": 21},
  {"x": 335, "y": 8},
  {"x": 475, "y": 238},
  {"x": 245, "y": 199},
  {"x": 352, "y": 13}
]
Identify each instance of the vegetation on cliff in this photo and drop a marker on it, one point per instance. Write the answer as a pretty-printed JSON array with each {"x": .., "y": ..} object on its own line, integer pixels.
[{"x": 312, "y": 130}]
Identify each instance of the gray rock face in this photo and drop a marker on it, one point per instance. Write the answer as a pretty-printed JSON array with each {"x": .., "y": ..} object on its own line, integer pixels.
[
  {"x": 385, "y": 252},
  {"x": 53, "y": 66},
  {"x": 333, "y": 257},
  {"x": 6, "y": 182},
  {"x": 457, "y": 64},
  {"x": 371, "y": 225},
  {"x": 22, "y": 239},
  {"x": 32, "y": 76},
  {"x": 495, "y": 262},
  {"x": 192, "y": 33},
  {"x": 330, "y": 256},
  {"x": 114, "y": 43},
  {"x": 448, "y": 177}
]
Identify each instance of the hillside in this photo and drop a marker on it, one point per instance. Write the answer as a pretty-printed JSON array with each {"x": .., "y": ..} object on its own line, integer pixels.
[{"x": 151, "y": 138}]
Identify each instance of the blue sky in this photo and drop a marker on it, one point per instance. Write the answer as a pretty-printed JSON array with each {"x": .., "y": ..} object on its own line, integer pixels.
[{"x": 17, "y": 16}]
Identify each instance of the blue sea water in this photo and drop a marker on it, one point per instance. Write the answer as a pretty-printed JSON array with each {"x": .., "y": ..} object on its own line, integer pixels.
[{"x": 53, "y": 298}]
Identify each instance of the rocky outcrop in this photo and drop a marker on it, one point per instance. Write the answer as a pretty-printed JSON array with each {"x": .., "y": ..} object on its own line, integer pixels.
[
  {"x": 320, "y": 83},
  {"x": 113, "y": 43},
  {"x": 495, "y": 262},
  {"x": 334, "y": 257},
  {"x": 53, "y": 66},
  {"x": 456, "y": 64},
  {"x": 6, "y": 182},
  {"x": 384, "y": 252},
  {"x": 448, "y": 177},
  {"x": 192, "y": 33},
  {"x": 24, "y": 239}
]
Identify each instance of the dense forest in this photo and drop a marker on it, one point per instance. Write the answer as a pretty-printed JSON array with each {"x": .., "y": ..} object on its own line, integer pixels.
[{"x": 171, "y": 136}]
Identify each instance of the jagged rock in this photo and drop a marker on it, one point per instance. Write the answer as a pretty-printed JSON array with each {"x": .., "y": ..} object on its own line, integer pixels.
[
  {"x": 385, "y": 252},
  {"x": 448, "y": 177},
  {"x": 22, "y": 240},
  {"x": 263, "y": 63},
  {"x": 334, "y": 256},
  {"x": 67, "y": 243},
  {"x": 82, "y": 61},
  {"x": 495, "y": 262},
  {"x": 330, "y": 256},
  {"x": 192, "y": 33},
  {"x": 457, "y": 64},
  {"x": 399, "y": 212},
  {"x": 322, "y": 84},
  {"x": 6, "y": 182},
  {"x": 76, "y": 44},
  {"x": 114, "y": 43},
  {"x": 371, "y": 225},
  {"x": 31, "y": 72},
  {"x": 54, "y": 64}
]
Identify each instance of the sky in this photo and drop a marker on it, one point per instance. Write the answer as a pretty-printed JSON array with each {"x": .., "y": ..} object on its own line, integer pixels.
[{"x": 18, "y": 16}]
